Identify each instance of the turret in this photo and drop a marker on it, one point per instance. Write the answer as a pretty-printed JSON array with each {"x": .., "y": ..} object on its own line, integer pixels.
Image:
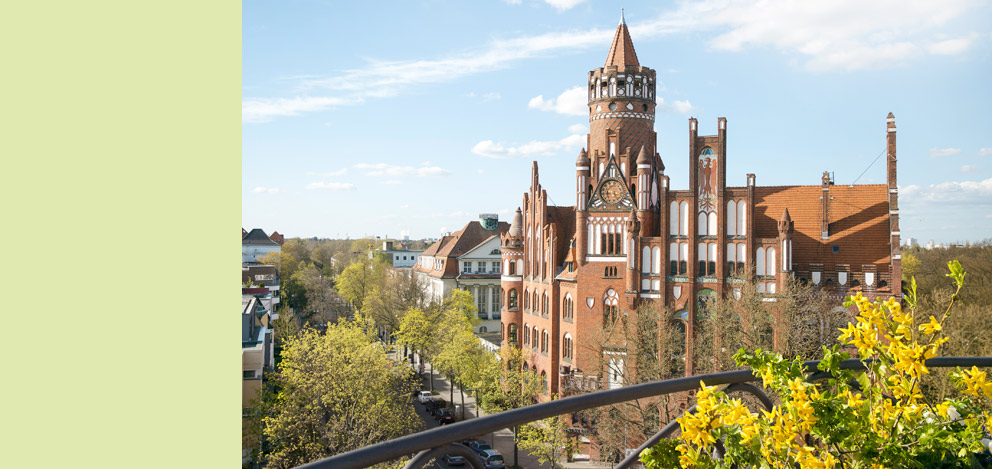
[
  {"x": 633, "y": 227},
  {"x": 511, "y": 281},
  {"x": 621, "y": 104},
  {"x": 582, "y": 188},
  {"x": 785, "y": 230}
]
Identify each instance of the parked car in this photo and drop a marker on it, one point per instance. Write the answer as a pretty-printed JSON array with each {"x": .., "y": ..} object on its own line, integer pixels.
[
  {"x": 454, "y": 460},
  {"x": 424, "y": 396},
  {"x": 479, "y": 446},
  {"x": 435, "y": 405},
  {"x": 468, "y": 442},
  {"x": 445, "y": 416},
  {"x": 492, "y": 459}
]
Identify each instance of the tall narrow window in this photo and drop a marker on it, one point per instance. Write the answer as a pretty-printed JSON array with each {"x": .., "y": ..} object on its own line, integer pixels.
[{"x": 611, "y": 305}]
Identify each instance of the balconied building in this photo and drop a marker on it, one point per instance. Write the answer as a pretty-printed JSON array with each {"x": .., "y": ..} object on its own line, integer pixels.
[
  {"x": 569, "y": 273},
  {"x": 468, "y": 259}
]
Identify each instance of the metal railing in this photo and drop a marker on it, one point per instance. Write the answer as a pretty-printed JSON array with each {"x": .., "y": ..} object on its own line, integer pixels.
[{"x": 435, "y": 442}]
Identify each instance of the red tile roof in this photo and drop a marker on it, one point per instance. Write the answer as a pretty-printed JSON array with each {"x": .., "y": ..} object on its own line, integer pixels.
[
  {"x": 858, "y": 223},
  {"x": 622, "y": 50}
]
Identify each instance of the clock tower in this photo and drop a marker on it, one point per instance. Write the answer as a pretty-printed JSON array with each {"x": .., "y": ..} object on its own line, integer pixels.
[{"x": 620, "y": 173}]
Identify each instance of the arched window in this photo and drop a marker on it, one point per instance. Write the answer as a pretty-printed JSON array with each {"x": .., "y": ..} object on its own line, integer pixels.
[
  {"x": 533, "y": 301},
  {"x": 673, "y": 219},
  {"x": 513, "y": 334},
  {"x": 731, "y": 218},
  {"x": 656, "y": 260},
  {"x": 526, "y": 300},
  {"x": 566, "y": 350},
  {"x": 646, "y": 260},
  {"x": 544, "y": 304},
  {"x": 684, "y": 218},
  {"x": 567, "y": 306},
  {"x": 526, "y": 334},
  {"x": 611, "y": 305},
  {"x": 759, "y": 257},
  {"x": 770, "y": 263},
  {"x": 483, "y": 330},
  {"x": 513, "y": 300},
  {"x": 544, "y": 341},
  {"x": 534, "y": 338},
  {"x": 544, "y": 380}
]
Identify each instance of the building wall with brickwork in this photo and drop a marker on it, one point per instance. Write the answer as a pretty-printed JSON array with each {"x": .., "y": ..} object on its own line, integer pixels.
[{"x": 569, "y": 273}]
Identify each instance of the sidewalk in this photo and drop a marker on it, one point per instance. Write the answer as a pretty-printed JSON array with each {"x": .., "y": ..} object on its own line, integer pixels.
[{"x": 501, "y": 440}]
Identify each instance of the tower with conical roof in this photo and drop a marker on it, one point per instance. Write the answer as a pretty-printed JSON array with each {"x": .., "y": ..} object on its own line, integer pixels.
[
  {"x": 511, "y": 280},
  {"x": 621, "y": 108}
]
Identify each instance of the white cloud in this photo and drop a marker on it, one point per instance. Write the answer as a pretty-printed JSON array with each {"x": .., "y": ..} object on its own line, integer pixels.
[
  {"x": 840, "y": 34},
  {"x": 683, "y": 107},
  {"x": 571, "y": 102},
  {"x": 985, "y": 151},
  {"x": 339, "y": 172},
  {"x": 383, "y": 169},
  {"x": 265, "y": 190},
  {"x": 391, "y": 182},
  {"x": 491, "y": 149},
  {"x": 404, "y": 206},
  {"x": 834, "y": 35},
  {"x": 490, "y": 97},
  {"x": 479, "y": 171},
  {"x": 959, "y": 192},
  {"x": 943, "y": 152},
  {"x": 562, "y": 5},
  {"x": 969, "y": 168},
  {"x": 512, "y": 2},
  {"x": 331, "y": 186},
  {"x": 950, "y": 46},
  {"x": 578, "y": 129},
  {"x": 256, "y": 110}
]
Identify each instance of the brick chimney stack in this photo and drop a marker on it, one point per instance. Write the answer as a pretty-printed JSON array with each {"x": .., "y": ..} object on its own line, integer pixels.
[{"x": 894, "y": 235}]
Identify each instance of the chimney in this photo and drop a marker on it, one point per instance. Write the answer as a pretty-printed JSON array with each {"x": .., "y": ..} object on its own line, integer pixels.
[{"x": 825, "y": 207}]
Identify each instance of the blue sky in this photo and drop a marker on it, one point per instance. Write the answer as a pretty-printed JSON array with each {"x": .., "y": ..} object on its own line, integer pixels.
[{"x": 391, "y": 118}]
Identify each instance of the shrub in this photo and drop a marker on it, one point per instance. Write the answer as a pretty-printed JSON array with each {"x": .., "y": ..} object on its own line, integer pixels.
[{"x": 877, "y": 417}]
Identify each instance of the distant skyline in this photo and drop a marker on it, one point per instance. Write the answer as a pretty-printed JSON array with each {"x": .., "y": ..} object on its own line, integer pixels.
[{"x": 392, "y": 119}]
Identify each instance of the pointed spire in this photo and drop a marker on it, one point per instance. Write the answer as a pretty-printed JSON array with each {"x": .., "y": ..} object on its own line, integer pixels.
[
  {"x": 785, "y": 216},
  {"x": 622, "y": 50},
  {"x": 643, "y": 158},
  {"x": 517, "y": 226},
  {"x": 583, "y": 159}
]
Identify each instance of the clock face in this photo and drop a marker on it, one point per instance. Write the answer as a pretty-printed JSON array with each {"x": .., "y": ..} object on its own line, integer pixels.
[{"x": 612, "y": 191}]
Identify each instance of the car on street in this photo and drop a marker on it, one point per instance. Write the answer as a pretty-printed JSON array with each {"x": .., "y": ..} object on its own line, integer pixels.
[
  {"x": 424, "y": 396},
  {"x": 435, "y": 405},
  {"x": 454, "y": 460},
  {"x": 492, "y": 459},
  {"x": 445, "y": 416},
  {"x": 479, "y": 446}
]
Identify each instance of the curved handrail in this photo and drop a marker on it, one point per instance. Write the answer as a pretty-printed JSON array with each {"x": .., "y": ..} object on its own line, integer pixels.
[{"x": 411, "y": 444}]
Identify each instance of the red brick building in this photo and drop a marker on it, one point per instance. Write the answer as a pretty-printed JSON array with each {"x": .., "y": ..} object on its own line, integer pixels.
[{"x": 631, "y": 238}]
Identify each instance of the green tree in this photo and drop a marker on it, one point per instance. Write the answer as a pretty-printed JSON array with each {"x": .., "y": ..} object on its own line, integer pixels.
[
  {"x": 508, "y": 384},
  {"x": 332, "y": 391},
  {"x": 547, "y": 439},
  {"x": 359, "y": 280}
]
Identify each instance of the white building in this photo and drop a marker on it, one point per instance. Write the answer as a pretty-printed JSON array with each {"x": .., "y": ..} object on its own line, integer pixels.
[
  {"x": 256, "y": 244},
  {"x": 468, "y": 259},
  {"x": 401, "y": 258}
]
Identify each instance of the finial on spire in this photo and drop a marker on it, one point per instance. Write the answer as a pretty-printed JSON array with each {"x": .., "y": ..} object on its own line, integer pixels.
[{"x": 621, "y": 16}]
